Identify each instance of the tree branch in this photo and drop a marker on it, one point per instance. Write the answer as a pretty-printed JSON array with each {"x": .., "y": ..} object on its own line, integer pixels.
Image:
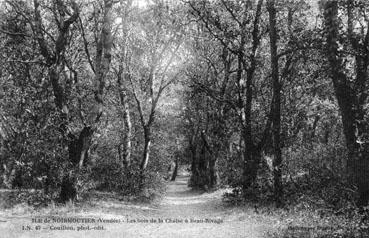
[{"x": 85, "y": 43}]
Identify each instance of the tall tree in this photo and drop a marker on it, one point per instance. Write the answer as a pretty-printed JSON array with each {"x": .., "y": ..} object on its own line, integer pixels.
[
  {"x": 152, "y": 67},
  {"x": 351, "y": 90},
  {"x": 125, "y": 147},
  {"x": 240, "y": 32},
  {"x": 276, "y": 104},
  {"x": 63, "y": 75}
]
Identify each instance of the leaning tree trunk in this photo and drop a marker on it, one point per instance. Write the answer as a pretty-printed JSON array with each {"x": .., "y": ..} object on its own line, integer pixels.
[
  {"x": 145, "y": 156},
  {"x": 146, "y": 149}
]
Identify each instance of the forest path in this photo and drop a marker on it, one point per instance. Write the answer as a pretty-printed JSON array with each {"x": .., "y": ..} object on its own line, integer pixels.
[
  {"x": 206, "y": 213},
  {"x": 182, "y": 212}
]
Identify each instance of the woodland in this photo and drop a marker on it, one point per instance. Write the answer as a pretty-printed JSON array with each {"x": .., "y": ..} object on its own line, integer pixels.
[{"x": 268, "y": 98}]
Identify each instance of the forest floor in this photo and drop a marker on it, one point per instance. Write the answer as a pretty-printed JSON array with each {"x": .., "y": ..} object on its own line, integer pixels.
[{"x": 182, "y": 212}]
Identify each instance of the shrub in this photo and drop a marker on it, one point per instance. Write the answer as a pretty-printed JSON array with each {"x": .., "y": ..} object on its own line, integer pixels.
[{"x": 111, "y": 176}]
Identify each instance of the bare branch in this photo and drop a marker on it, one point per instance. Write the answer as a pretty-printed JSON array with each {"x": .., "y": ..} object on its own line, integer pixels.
[
  {"x": 207, "y": 25},
  {"x": 25, "y": 61},
  {"x": 14, "y": 33},
  {"x": 231, "y": 12},
  {"x": 85, "y": 43},
  {"x": 143, "y": 123}
]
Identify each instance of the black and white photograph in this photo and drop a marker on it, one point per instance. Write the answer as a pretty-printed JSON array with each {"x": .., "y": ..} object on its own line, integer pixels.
[{"x": 184, "y": 118}]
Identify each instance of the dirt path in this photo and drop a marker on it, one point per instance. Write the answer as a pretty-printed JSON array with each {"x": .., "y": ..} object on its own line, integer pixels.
[{"x": 181, "y": 213}]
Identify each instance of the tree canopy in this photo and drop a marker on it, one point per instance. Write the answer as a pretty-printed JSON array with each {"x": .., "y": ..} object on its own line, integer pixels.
[{"x": 252, "y": 95}]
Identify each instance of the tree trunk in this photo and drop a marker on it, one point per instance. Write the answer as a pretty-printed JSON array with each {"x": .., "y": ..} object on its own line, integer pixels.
[
  {"x": 211, "y": 160},
  {"x": 199, "y": 168},
  {"x": 203, "y": 179},
  {"x": 251, "y": 165},
  {"x": 350, "y": 102},
  {"x": 146, "y": 151},
  {"x": 276, "y": 112},
  {"x": 195, "y": 173},
  {"x": 78, "y": 156},
  {"x": 78, "y": 147},
  {"x": 126, "y": 146},
  {"x": 213, "y": 173},
  {"x": 251, "y": 155},
  {"x": 175, "y": 171},
  {"x": 68, "y": 188}
]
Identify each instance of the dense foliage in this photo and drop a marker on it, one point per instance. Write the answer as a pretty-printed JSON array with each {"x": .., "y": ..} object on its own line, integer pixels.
[{"x": 269, "y": 98}]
